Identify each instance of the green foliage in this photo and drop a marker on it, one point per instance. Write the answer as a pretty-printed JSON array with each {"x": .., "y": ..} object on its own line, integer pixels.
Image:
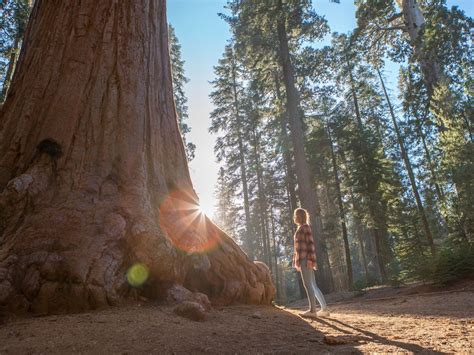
[
  {"x": 13, "y": 20},
  {"x": 344, "y": 111},
  {"x": 453, "y": 263},
  {"x": 180, "y": 99},
  {"x": 363, "y": 283}
]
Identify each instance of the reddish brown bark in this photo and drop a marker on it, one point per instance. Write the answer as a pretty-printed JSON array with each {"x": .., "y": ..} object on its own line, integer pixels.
[{"x": 93, "y": 172}]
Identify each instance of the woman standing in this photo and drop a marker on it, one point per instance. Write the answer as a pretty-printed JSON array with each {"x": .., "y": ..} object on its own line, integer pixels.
[{"x": 304, "y": 260}]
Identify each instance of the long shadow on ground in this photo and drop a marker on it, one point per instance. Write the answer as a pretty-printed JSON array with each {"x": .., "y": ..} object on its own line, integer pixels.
[
  {"x": 369, "y": 336},
  {"x": 155, "y": 329}
]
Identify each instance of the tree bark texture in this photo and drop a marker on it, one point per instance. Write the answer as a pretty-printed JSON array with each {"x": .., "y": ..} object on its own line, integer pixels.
[{"x": 93, "y": 172}]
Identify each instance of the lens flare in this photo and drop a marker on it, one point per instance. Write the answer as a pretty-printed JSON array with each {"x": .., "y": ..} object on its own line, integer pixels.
[
  {"x": 137, "y": 274},
  {"x": 186, "y": 225}
]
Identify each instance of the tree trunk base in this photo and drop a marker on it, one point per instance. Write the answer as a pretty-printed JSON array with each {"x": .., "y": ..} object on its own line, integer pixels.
[{"x": 69, "y": 250}]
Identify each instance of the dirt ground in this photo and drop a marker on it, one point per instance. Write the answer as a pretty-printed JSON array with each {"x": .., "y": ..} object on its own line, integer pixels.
[{"x": 382, "y": 320}]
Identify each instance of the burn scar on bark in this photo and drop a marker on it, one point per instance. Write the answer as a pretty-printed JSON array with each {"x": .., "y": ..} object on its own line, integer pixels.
[{"x": 51, "y": 147}]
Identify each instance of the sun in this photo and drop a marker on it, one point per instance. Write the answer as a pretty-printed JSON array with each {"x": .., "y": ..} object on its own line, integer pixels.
[{"x": 205, "y": 209}]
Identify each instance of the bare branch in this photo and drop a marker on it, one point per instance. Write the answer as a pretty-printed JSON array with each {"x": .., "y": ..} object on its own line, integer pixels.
[{"x": 394, "y": 17}]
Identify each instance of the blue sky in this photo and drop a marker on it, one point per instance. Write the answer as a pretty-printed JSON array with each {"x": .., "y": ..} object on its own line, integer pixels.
[{"x": 203, "y": 35}]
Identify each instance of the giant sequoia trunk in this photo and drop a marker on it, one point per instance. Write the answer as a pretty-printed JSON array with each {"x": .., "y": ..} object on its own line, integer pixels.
[{"x": 93, "y": 171}]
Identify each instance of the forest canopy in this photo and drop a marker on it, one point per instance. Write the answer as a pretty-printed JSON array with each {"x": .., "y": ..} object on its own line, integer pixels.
[{"x": 391, "y": 167}]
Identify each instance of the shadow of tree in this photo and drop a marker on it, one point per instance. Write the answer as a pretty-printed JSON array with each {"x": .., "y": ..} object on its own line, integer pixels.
[
  {"x": 156, "y": 329},
  {"x": 370, "y": 336}
]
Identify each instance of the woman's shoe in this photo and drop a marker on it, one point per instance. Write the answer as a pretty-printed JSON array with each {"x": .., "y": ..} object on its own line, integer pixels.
[
  {"x": 309, "y": 314},
  {"x": 323, "y": 313}
]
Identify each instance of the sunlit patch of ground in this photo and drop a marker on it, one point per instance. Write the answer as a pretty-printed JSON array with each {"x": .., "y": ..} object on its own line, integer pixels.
[
  {"x": 419, "y": 323},
  {"x": 410, "y": 323}
]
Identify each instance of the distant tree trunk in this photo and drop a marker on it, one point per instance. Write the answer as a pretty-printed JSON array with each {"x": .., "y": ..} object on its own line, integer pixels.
[
  {"x": 358, "y": 232},
  {"x": 434, "y": 176},
  {"x": 411, "y": 175},
  {"x": 11, "y": 66},
  {"x": 357, "y": 222},
  {"x": 376, "y": 232},
  {"x": 342, "y": 215},
  {"x": 243, "y": 166},
  {"x": 93, "y": 171},
  {"x": 21, "y": 12},
  {"x": 262, "y": 203},
  {"x": 275, "y": 256},
  {"x": 429, "y": 160},
  {"x": 290, "y": 175},
  {"x": 307, "y": 193},
  {"x": 467, "y": 122}
]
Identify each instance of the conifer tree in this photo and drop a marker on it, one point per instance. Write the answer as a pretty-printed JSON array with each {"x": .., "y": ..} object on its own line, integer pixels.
[{"x": 180, "y": 99}]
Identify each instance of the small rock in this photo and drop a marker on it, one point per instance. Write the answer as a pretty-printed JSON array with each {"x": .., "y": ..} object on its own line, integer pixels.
[
  {"x": 257, "y": 315},
  {"x": 191, "y": 310},
  {"x": 202, "y": 299},
  {"x": 179, "y": 294}
]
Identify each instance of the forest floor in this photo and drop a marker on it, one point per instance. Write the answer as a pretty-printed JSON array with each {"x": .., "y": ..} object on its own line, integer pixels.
[{"x": 383, "y": 319}]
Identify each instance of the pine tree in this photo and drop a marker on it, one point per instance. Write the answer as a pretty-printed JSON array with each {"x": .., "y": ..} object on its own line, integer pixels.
[
  {"x": 13, "y": 19},
  {"x": 180, "y": 99},
  {"x": 228, "y": 118},
  {"x": 269, "y": 34}
]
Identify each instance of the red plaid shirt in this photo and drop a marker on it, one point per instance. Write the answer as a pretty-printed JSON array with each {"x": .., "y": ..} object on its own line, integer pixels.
[{"x": 304, "y": 247}]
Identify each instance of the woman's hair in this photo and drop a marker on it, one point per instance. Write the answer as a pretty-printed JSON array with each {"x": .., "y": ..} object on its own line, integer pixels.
[{"x": 301, "y": 216}]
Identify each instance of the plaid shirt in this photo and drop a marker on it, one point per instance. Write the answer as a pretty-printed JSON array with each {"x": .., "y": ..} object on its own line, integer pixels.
[{"x": 304, "y": 247}]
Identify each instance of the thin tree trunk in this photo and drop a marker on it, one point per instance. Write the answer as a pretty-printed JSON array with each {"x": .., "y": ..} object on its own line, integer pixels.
[
  {"x": 290, "y": 175},
  {"x": 434, "y": 175},
  {"x": 468, "y": 127},
  {"x": 342, "y": 216},
  {"x": 306, "y": 191},
  {"x": 243, "y": 167},
  {"x": 93, "y": 171},
  {"x": 11, "y": 67},
  {"x": 275, "y": 256},
  {"x": 376, "y": 230},
  {"x": 289, "y": 219},
  {"x": 411, "y": 175},
  {"x": 362, "y": 249},
  {"x": 357, "y": 222},
  {"x": 262, "y": 203}
]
